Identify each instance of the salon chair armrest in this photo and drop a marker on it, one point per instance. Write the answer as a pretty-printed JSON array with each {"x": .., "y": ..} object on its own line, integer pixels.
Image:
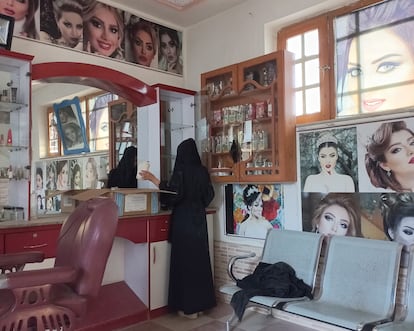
[
  {"x": 13, "y": 262},
  {"x": 30, "y": 278}
]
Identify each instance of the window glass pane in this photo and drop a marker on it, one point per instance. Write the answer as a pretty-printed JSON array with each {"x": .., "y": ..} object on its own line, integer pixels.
[
  {"x": 298, "y": 75},
  {"x": 311, "y": 43},
  {"x": 53, "y": 134},
  {"x": 83, "y": 109},
  {"x": 299, "y": 103},
  {"x": 99, "y": 122},
  {"x": 294, "y": 45},
  {"x": 313, "y": 101},
  {"x": 375, "y": 58},
  {"x": 312, "y": 72}
]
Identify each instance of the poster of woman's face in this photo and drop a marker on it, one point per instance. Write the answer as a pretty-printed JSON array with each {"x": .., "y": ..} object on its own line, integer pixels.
[
  {"x": 328, "y": 160},
  {"x": 386, "y": 156},
  {"x": 71, "y": 126},
  {"x": 95, "y": 27},
  {"x": 383, "y": 216},
  {"x": 371, "y": 77},
  {"x": 251, "y": 210},
  {"x": 40, "y": 189},
  {"x": 76, "y": 179},
  {"x": 382, "y": 157}
]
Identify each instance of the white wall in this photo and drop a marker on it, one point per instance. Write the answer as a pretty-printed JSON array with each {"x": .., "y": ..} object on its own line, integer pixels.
[{"x": 246, "y": 31}]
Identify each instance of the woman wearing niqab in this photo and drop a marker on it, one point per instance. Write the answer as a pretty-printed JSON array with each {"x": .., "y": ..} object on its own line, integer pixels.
[
  {"x": 124, "y": 175},
  {"x": 191, "y": 288}
]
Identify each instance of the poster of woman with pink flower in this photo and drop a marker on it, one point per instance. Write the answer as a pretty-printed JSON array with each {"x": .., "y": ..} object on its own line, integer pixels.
[{"x": 253, "y": 209}]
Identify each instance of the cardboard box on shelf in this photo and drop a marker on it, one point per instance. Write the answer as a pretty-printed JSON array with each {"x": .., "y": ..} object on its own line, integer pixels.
[
  {"x": 130, "y": 201},
  {"x": 67, "y": 202}
]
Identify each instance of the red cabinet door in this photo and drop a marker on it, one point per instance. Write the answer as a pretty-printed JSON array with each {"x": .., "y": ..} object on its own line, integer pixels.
[
  {"x": 32, "y": 240},
  {"x": 134, "y": 229},
  {"x": 1, "y": 243},
  {"x": 159, "y": 228}
]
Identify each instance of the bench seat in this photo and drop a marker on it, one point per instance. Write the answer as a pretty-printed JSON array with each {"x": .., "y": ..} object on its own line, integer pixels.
[
  {"x": 301, "y": 250},
  {"x": 359, "y": 284}
]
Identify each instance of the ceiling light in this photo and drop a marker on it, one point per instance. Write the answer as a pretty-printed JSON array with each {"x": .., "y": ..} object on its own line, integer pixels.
[{"x": 179, "y": 4}]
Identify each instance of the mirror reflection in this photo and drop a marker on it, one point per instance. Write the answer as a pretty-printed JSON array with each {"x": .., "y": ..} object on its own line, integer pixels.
[{"x": 110, "y": 121}]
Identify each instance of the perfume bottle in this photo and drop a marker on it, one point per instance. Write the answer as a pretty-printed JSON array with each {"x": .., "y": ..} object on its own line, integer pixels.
[{"x": 9, "y": 138}]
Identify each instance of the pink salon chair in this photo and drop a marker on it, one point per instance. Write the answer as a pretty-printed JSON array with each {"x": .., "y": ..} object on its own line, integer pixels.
[{"x": 57, "y": 298}]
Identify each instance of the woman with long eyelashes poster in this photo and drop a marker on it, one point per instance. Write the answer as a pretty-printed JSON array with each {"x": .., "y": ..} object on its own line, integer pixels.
[{"x": 371, "y": 77}]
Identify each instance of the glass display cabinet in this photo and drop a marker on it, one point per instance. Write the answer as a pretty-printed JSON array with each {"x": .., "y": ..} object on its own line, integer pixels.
[
  {"x": 162, "y": 127},
  {"x": 15, "y": 131},
  {"x": 251, "y": 123}
]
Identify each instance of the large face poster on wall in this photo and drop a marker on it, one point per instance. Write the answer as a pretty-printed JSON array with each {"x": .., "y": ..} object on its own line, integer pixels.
[
  {"x": 375, "y": 58},
  {"x": 379, "y": 159},
  {"x": 94, "y": 27},
  {"x": 253, "y": 209}
]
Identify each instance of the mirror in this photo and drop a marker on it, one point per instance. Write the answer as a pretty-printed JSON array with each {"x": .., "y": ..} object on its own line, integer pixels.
[
  {"x": 131, "y": 90},
  {"x": 123, "y": 129}
]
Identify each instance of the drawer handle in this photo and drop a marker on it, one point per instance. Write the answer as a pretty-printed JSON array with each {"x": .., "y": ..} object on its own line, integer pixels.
[
  {"x": 163, "y": 230},
  {"x": 35, "y": 246}
]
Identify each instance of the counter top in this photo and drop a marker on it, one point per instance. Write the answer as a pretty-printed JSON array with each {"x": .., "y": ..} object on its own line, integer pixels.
[{"x": 59, "y": 218}]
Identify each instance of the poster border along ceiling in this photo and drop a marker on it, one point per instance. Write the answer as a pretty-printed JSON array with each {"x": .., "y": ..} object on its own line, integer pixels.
[{"x": 41, "y": 25}]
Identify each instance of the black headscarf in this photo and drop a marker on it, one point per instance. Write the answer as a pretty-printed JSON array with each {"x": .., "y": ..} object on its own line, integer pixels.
[
  {"x": 187, "y": 155},
  {"x": 124, "y": 175},
  {"x": 190, "y": 180}
]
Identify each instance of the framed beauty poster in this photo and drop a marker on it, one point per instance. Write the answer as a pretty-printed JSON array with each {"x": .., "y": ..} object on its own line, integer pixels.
[
  {"x": 6, "y": 31},
  {"x": 71, "y": 126},
  {"x": 371, "y": 78},
  {"x": 253, "y": 209}
]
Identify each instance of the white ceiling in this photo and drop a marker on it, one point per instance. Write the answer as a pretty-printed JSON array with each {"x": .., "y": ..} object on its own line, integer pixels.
[{"x": 194, "y": 14}]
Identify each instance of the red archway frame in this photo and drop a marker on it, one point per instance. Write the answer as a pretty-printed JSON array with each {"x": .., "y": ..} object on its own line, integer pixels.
[{"x": 128, "y": 87}]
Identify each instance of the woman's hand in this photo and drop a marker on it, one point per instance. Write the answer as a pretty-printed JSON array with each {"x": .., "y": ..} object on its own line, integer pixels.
[
  {"x": 148, "y": 175},
  {"x": 171, "y": 66}
]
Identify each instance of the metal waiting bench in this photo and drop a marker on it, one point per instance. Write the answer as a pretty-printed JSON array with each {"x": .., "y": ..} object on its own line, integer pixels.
[
  {"x": 301, "y": 250},
  {"x": 406, "y": 321},
  {"x": 358, "y": 287}
]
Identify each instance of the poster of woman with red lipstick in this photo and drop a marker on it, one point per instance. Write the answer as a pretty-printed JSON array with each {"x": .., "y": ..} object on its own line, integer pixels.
[
  {"x": 370, "y": 77},
  {"x": 330, "y": 164},
  {"x": 386, "y": 154},
  {"x": 95, "y": 27}
]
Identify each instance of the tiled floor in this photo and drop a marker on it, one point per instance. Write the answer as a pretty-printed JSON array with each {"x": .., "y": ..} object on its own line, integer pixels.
[{"x": 215, "y": 320}]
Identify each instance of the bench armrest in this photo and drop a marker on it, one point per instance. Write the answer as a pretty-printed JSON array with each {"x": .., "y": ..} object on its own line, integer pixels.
[{"x": 233, "y": 260}]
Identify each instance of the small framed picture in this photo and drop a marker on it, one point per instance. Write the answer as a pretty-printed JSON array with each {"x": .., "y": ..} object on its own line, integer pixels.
[
  {"x": 71, "y": 126},
  {"x": 6, "y": 31}
]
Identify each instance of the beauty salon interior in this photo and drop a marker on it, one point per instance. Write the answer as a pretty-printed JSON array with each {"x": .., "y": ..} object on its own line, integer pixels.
[{"x": 301, "y": 114}]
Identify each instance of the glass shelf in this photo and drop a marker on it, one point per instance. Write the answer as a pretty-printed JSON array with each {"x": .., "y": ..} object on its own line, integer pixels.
[
  {"x": 11, "y": 106},
  {"x": 176, "y": 126},
  {"x": 250, "y": 131},
  {"x": 13, "y": 148}
]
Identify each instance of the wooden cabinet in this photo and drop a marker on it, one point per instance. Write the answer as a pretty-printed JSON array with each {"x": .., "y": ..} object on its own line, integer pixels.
[
  {"x": 251, "y": 120},
  {"x": 123, "y": 129},
  {"x": 15, "y": 134}
]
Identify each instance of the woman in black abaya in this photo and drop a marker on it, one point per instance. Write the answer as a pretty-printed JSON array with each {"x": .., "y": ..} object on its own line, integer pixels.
[
  {"x": 124, "y": 175},
  {"x": 191, "y": 289}
]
